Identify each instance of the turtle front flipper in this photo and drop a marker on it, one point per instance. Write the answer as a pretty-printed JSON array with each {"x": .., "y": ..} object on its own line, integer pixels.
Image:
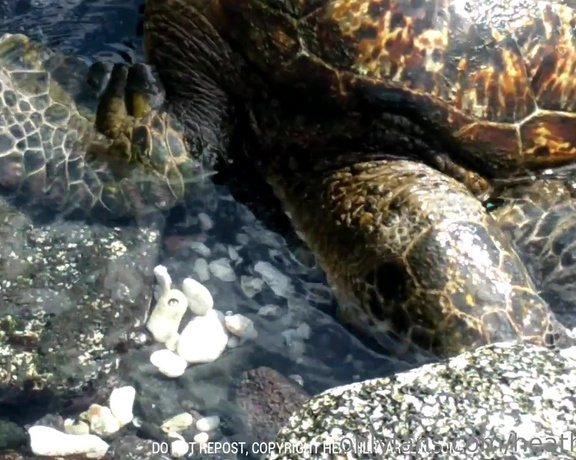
[
  {"x": 53, "y": 154},
  {"x": 415, "y": 257},
  {"x": 540, "y": 220}
]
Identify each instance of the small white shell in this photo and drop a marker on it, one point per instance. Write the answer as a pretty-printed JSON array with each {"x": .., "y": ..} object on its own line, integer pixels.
[
  {"x": 168, "y": 363},
  {"x": 162, "y": 278},
  {"x": 167, "y": 314}
]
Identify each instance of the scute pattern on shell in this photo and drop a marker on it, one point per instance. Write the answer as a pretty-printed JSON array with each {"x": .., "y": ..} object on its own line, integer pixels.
[
  {"x": 495, "y": 76},
  {"x": 495, "y": 60}
]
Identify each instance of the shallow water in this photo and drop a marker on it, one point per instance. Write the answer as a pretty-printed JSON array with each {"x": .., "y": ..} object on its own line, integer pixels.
[
  {"x": 107, "y": 30},
  {"x": 104, "y": 29}
]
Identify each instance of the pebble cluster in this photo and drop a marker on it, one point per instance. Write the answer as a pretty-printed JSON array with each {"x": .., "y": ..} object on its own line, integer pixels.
[
  {"x": 84, "y": 437},
  {"x": 204, "y": 338},
  {"x": 179, "y": 446}
]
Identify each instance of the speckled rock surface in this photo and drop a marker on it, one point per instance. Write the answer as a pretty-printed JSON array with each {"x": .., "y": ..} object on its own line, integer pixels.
[
  {"x": 505, "y": 396},
  {"x": 70, "y": 294},
  {"x": 266, "y": 400}
]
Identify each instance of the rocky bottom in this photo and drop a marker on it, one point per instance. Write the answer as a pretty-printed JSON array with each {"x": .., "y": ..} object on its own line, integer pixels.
[
  {"x": 76, "y": 299},
  {"x": 211, "y": 353},
  {"x": 500, "y": 401}
]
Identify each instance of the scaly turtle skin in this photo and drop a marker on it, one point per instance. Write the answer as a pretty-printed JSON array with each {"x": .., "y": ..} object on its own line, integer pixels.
[
  {"x": 381, "y": 125},
  {"x": 53, "y": 140}
]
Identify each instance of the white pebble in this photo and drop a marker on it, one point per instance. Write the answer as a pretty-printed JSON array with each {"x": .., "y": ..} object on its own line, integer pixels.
[
  {"x": 277, "y": 281},
  {"x": 178, "y": 448},
  {"x": 201, "y": 270},
  {"x": 101, "y": 420},
  {"x": 203, "y": 339},
  {"x": 266, "y": 237},
  {"x": 303, "y": 331},
  {"x": 222, "y": 269},
  {"x": 167, "y": 314},
  {"x": 232, "y": 253},
  {"x": 205, "y": 221},
  {"x": 162, "y": 278},
  {"x": 199, "y": 298},
  {"x": 53, "y": 443},
  {"x": 178, "y": 423},
  {"x": 269, "y": 310},
  {"x": 202, "y": 438},
  {"x": 121, "y": 404},
  {"x": 169, "y": 363},
  {"x": 209, "y": 423},
  {"x": 251, "y": 286},
  {"x": 200, "y": 248},
  {"x": 241, "y": 326}
]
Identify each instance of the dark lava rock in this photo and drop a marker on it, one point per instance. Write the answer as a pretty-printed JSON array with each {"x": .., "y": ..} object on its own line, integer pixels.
[
  {"x": 71, "y": 294},
  {"x": 134, "y": 448},
  {"x": 12, "y": 436},
  {"x": 266, "y": 400}
]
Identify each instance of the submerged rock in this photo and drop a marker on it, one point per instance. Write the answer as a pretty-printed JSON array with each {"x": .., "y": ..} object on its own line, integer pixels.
[
  {"x": 121, "y": 404},
  {"x": 204, "y": 339},
  {"x": 241, "y": 326},
  {"x": 275, "y": 279},
  {"x": 168, "y": 363},
  {"x": 199, "y": 298},
  {"x": 209, "y": 423},
  {"x": 477, "y": 404},
  {"x": 71, "y": 294},
  {"x": 102, "y": 421},
  {"x": 53, "y": 443},
  {"x": 178, "y": 423},
  {"x": 265, "y": 401}
]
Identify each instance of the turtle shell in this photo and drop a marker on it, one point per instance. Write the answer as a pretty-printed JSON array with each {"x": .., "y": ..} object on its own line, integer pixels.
[{"x": 494, "y": 77}]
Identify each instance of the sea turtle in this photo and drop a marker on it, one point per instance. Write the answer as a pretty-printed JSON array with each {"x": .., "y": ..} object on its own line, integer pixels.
[{"x": 385, "y": 128}]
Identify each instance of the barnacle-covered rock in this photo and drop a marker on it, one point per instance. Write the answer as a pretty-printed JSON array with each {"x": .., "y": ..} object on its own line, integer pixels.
[
  {"x": 490, "y": 397},
  {"x": 72, "y": 296}
]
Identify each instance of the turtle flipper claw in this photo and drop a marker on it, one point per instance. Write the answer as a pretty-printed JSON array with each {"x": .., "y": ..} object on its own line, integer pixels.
[{"x": 85, "y": 139}]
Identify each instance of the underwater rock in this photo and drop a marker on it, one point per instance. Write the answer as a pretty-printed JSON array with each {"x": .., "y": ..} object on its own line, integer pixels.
[
  {"x": 168, "y": 363},
  {"x": 199, "y": 298},
  {"x": 203, "y": 339},
  {"x": 53, "y": 443},
  {"x": 73, "y": 293}
]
